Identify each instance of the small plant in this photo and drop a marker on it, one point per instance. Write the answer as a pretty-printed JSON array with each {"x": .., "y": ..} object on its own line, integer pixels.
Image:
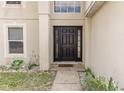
[
  {"x": 16, "y": 64},
  {"x": 33, "y": 61},
  {"x": 89, "y": 72},
  {"x": 111, "y": 85},
  {"x": 95, "y": 83},
  {"x": 31, "y": 66},
  {"x": 2, "y": 67}
]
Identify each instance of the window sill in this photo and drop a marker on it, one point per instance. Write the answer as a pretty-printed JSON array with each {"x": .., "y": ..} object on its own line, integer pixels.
[
  {"x": 16, "y": 55},
  {"x": 13, "y": 6}
]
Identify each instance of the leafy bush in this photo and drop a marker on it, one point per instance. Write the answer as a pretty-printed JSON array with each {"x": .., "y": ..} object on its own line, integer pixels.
[
  {"x": 112, "y": 86},
  {"x": 30, "y": 66},
  {"x": 89, "y": 72},
  {"x": 16, "y": 64},
  {"x": 93, "y": 83}
]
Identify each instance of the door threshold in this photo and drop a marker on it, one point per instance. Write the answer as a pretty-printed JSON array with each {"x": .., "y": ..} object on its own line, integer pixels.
[{"x": 67, "y": 62}]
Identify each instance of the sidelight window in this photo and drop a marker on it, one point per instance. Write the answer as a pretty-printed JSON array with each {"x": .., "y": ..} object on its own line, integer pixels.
[{"x": 79, "y": 44}]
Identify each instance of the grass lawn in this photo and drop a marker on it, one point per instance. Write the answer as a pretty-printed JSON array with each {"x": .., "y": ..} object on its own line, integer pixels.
[{"x": 25, "y": 81}]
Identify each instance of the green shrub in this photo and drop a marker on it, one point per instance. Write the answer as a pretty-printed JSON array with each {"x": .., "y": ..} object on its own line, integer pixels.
[
  {"x": 111, "y": 85},
  {"x": 89, "y": 72},
  {"x": 93, "y": 83},
  {"x": 31, "y": 66},
  {"x": 16, "y": 64}
]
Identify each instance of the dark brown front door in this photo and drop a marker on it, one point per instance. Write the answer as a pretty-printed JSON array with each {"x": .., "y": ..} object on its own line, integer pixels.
[{"x": 67, "y": 43}]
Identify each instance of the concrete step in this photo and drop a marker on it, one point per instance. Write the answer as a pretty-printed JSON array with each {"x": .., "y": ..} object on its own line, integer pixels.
[{"x": 76, "y": 67}]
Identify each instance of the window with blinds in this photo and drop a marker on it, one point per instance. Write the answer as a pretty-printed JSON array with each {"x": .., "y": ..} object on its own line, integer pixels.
[{"x": 15, "y": 40}]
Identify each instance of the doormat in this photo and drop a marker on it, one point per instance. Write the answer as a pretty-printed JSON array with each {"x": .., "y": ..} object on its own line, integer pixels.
[{"x": 65, "y": 65}]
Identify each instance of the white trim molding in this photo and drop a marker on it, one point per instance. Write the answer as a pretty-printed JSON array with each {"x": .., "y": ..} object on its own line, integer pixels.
[
  {"x": 93, "y": 7},
  {"x": 6, "y": 45}
]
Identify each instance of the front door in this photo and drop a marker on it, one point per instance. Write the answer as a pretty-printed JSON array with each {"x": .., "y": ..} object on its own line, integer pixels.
[{"x": 67, "y": 43}]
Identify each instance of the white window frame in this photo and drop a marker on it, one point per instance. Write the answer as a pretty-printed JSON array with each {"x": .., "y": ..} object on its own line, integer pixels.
[
  {"x": 6, "y": 44},
  {"x": 4, "y": 5},
  {"x": 67, "y": 11}
]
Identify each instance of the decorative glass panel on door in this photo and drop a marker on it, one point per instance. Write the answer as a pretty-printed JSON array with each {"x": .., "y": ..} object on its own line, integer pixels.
[{"x": 79, "y": 45}]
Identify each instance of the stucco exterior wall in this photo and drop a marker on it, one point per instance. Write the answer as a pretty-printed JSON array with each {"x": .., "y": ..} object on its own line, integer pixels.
[
  {"x": 32, "y": 33},
  {"x": 39, "y": 19},
  {"x": 44, "y": 31},
  {"x": 107, "y": 46},
  {"x": 28, "y": 12},
  {"x": 28, "y": 16},
  {"x": 87, "y": 42}
]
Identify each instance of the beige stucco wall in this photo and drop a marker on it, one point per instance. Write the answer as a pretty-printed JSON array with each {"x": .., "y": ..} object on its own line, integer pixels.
[
  {"x": 44, "y": 32},
  {"x": 107, "y": 42},
  {"x": 28, "y": 12},
  {"x": 39, "y": 19},
  {"x": 32, "y": 39},
  {"x": 87, "y": 42},
  {"x": 27, "y": 16}
]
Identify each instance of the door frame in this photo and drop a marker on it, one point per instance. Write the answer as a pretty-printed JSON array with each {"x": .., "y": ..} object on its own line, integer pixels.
[{"x": 81, "y": 44}]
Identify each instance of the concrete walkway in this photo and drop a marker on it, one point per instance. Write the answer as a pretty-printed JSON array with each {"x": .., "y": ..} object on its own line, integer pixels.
[{"x": 67, "y": 79}]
